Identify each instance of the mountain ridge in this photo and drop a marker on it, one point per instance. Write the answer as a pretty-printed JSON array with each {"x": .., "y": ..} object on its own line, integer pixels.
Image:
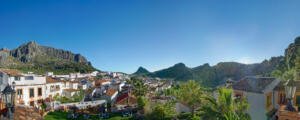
[
  {"x": 217, "y": 74},
  {"x": 31, "y": 56}
]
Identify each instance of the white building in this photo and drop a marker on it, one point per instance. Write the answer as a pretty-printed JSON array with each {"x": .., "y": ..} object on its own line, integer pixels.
[
  {"x": 30, "y": 88},
  {"x": 54, "y": 87},
  {"x": 259, "y": 92}
]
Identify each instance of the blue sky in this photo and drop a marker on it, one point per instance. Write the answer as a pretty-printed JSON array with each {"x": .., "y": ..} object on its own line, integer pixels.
[{"x": 123, "y": 35}]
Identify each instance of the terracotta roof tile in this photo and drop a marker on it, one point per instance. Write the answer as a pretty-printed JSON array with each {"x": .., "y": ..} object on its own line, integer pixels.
[
  {"x": 11, "y": 72},
  {"x": 52, "y": 80},
  {"x": 110, "y": 92}
]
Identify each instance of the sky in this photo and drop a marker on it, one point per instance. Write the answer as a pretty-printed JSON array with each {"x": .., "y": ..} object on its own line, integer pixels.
[{"x": 121, "y": 35}]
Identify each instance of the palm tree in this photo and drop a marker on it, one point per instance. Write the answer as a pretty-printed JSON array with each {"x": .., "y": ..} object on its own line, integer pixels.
[{"x": 225, "y": 107}]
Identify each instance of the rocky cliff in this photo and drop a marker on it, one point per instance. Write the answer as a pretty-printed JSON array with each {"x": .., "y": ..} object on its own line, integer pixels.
[
  {"x": 30, "y": 51},
  {"x": 37, "y": 58},
  {"x": 292, "y": 52}
]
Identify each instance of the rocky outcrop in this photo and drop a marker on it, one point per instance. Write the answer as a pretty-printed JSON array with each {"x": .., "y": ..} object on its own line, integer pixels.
[
  {"x": 292, "y": 52},
  {"x": 40, "y": 59},
  {"x": 28, "y": 53}
]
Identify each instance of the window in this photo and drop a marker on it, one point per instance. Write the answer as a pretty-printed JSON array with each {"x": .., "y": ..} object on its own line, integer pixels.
[
  {"x": 19, "y": 92},
  {"x": 269, "y": 100},
  {"x": 31, "y": 92},
  {"x": 28, "y": 77},
  {"x": 17, "y": 78},
  {"x": 39, "y": 91}
]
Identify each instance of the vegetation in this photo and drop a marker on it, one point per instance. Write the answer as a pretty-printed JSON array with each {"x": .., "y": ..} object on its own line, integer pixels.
[
  {"x": 162, "y": 111},
  {"x": 225, "y": 107},
  {"x": 57, "y": 66},
  {"x": 191, "y": 94},
  {"x": 63, "y": 116},
  {"x": 289, "y": 68},
  {"x": 43, "y": 108},
  {"x": 139, "y": 89},
  {"x": 75, "y": 98}
]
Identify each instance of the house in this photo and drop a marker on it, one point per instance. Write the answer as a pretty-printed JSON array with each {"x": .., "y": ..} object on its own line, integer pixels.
[
  {"x": 102, "y": 82},
  {"x": 259, "y": 93},
  {"x": 84, "y": 84},
  {"x": 30, "y": 88},
  {"x": 70, "y": 92},
  {"x": 118, "y": 85},
  {"x": 111, "y": 94},
  {"x": 54, "y": 87},
  {"x": 125, "y": 99}
]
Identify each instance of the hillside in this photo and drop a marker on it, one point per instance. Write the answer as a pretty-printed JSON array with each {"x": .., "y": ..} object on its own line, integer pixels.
[
  {"x": 40, "y": 59},
  {"x": 215, "y": 75}
]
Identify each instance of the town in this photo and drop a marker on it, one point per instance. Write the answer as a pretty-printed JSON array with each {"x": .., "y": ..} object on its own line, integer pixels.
[
  {"x": 149, "y": 60},
  {"x": 102, "y": 95},
  {"x": 96, "y": 90}
]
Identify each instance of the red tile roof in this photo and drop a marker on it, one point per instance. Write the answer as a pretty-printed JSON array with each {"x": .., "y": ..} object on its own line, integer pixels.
[
  {"x": 111, "y": 92},
  {"x": 11, "y": 72},
  {"x": 51, "y": 80}
]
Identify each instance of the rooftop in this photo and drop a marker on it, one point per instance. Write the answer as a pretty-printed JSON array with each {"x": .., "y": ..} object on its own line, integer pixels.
[
  {"x": 111, "y": 92},
  {"x": 11, "y": 72},
  {"x": 52, "y": 80},
  {"x": 253, "y": 84},
  {"x": 71, "y": 90}
]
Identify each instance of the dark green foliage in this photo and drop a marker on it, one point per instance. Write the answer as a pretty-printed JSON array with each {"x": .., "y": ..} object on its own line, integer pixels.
[
  {"x": 225, "y": 107},
  {"x": 162, "y": 111},
  {"x": 290, "y": 67},
  {"x": 75, "y": 98},
  {"x": 139, "y": 89},
  {"x": 58, "y": 67}
]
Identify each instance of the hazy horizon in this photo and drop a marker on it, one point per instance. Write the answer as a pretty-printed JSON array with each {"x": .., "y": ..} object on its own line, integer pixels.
[{"x": 121, "y": 36}]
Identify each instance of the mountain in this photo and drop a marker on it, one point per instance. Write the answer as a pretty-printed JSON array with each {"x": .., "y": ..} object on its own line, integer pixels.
[
  {"x": 141, "y": 71},
  {"x": 178, "y": 72},
  {"x": 31, "y": 51},
  {"x": 215, "y": 75},
  {"x": 292, "y": 53},
  {"x": 37, "y": 58}
]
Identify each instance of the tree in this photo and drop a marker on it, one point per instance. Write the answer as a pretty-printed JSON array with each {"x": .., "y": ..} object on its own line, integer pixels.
[
  {"x": 43, "y": 108},
  {"x": 139, "y": 89},
  {"x": 289, "y": 74},
  {"x": 162, "y": 111},
  {"x": 225, "y": 107},
  {"x": 141, "y": 101},
  {"x": 190, "y": 93}
]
